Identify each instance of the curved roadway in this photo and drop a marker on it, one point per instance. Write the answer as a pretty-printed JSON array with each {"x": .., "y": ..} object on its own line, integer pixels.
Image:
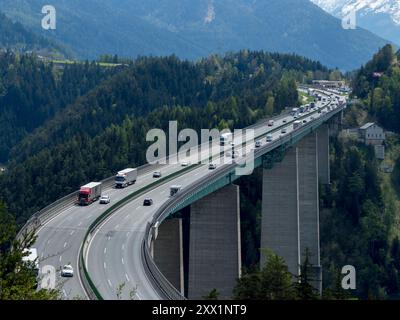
[{"x": 114, "y": 254}]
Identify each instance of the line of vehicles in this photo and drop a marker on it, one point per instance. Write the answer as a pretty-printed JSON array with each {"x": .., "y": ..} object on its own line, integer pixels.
[
  {"x": 332, "y": 101},
  {"x": 92, "y": 191}
]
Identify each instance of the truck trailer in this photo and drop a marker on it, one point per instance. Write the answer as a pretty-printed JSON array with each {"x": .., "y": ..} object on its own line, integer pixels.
[
  {"x": 225, "y": 138},
  {"x": 297, "y": 124},
  {"x": 174, "y": 190},
  {"x": 89, "y": 193},
  {"x": 125, "y": 178}
]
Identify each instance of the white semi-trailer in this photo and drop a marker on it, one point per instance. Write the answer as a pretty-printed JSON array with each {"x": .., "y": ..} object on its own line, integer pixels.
[
  {"x": 174, "y": 190},
  {"x": 125, "y": 178},
  {"x": 297, "y": 124},
  {"x": 226, "y": 138}
]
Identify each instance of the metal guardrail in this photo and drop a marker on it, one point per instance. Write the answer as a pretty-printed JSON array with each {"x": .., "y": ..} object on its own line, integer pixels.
[{"x": 152, "y": 271}]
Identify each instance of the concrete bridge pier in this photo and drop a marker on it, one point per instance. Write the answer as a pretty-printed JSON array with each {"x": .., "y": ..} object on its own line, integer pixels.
[
  {"x": 324, "y": 172},
  {"x": 214, "y": 248},
  {"x": 168, "y": 252},
  {"x": 335, "y": 124},
  {"x": 290, "y": 208}
]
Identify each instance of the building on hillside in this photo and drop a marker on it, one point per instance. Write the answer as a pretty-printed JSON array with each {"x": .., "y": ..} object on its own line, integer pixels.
[
  {"x": 372, "y": 134},
  {"x": 329, "y": 84}
]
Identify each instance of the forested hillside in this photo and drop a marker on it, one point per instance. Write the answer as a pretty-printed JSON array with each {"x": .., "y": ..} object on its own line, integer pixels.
[
  {"x": 378, "y": 83},
  {"x": 360, "y": 219},
  {"x": 15, "y": 37},
  {"x": 105, "y": 129},
  {"x": 32, "y": 92}
]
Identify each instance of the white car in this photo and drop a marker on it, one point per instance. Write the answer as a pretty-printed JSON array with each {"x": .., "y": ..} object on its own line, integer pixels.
[
  {"x": 270, "y": 137},
  {"x": 157, "y": 174},
  {"x": 212, "y": 166},
  {"x": 105, "y": 199},
  {"x": 67, "y": 271},
  {"x": 284, "y": 130},
  {"x": 185, "y": 164},
  {"x": 258, "y": 144}
]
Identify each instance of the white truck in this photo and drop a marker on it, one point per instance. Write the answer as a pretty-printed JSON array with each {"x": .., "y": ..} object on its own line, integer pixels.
[
  {"x": 295, "y": 112},
  {"x": 226, "y": 138},
  {"x": 297, "y": 124},
  {"x": 125, "y": 178},
  {"x": 174, "y": 190},
  {"x": 89, "y": 193}
]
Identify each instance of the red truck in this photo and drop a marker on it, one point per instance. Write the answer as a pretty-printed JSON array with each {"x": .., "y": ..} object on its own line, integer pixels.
[{"x": 89, "y": 193}]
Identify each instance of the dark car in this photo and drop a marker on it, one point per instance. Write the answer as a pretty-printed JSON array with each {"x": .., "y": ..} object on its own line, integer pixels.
[{"x": 148, "y": 202}]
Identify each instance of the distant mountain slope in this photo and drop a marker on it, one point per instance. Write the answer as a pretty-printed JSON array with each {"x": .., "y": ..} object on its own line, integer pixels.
[
  {"x": 197, "y": 28},
  {"x": 15, "y": 37},
  {"x": 379, "y": 16}
]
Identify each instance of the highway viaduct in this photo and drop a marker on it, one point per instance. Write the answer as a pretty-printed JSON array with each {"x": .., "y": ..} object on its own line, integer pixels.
[
  {"x": 164, "y": 254},
  {"x": 200, "y": 250}
]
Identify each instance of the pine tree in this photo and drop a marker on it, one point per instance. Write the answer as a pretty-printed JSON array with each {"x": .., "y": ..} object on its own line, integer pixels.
[
  {"x": 304, "y": 287},
  {"x": 276, "y": 280}
]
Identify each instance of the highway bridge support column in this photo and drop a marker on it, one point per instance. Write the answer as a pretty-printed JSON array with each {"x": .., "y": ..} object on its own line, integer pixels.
[
  {"x": 309, "y": 205},
  {"x": 335, "y": 124},
  {"x": 280, "y": 211},
  {"x": 168, "y": 252},
  {"x": 323, "y": 155},
  {"x": 214, "y": 249},
  {"x": 290, "y": 208}
]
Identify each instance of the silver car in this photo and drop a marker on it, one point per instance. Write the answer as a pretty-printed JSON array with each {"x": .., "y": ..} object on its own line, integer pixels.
[
  {"x": 67, "y": 271},
  {"x": 105, "y": 199}
]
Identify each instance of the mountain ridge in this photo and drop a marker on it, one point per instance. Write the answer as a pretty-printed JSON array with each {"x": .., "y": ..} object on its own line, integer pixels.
[
  {"x": 379, "y": 16},
  {"x": 195, "y": 29}
]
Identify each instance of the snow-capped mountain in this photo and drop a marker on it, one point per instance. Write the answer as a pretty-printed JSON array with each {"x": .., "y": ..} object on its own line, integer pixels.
[{"x": 379, "y": 16}]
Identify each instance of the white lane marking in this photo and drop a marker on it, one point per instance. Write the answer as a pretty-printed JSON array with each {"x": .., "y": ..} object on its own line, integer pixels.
[
  {"x": 138, "y": 207},
  {"x": 123, "y": 247},
  {"x": 105, "y": 266},
  {"x": 60, "y": 258},
  {"x": 123, "y": 262},
  {"x": 42, "y": 255},
  {"x": 72, "y": 232},
  {"x": 65, "y": 293},
  {"x": 127, "y": 278},
  {"x": 163, "y": 192},
  {"x": 109, "y": 282},
  {"x": 117, "y": 226},
  {"x": 128, "y": 234},
  {"x": 80, "y": 223},
  {"x": 105, "y": 250},
  {"x": 65, "y": 244}
]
